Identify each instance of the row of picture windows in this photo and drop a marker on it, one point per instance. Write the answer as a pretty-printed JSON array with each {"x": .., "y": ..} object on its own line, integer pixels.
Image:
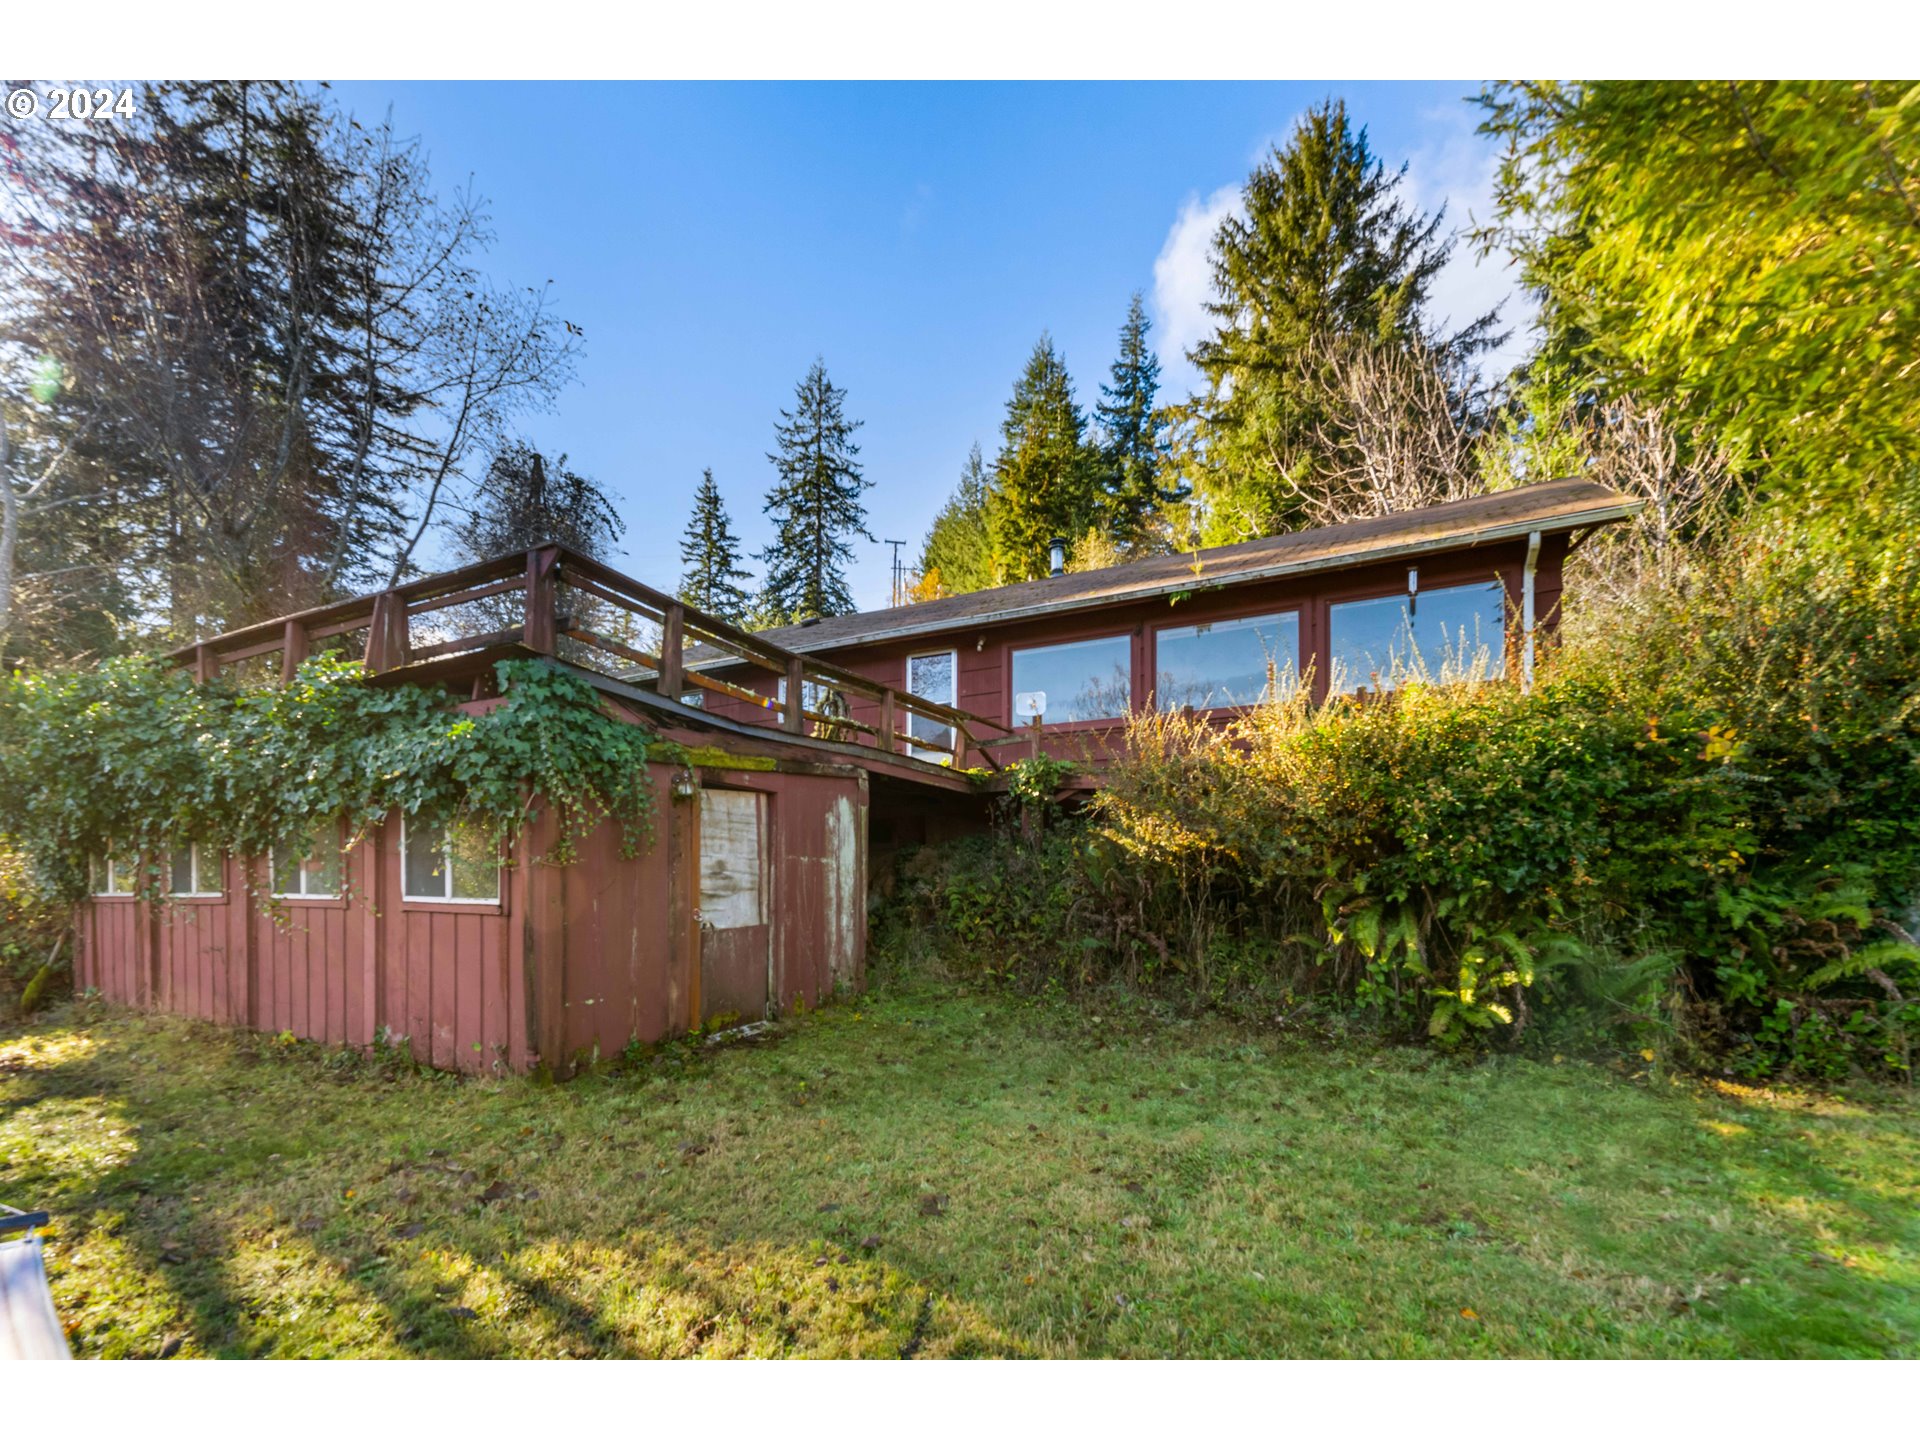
[
  {"x": 1458, "y": 632},
  {"x": 437, "y": 862}
]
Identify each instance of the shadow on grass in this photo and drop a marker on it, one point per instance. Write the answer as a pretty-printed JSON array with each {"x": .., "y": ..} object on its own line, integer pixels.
[{"x": 946, "y": 1178}]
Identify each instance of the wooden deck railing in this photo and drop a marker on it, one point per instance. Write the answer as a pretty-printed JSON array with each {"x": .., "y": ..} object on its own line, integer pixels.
[{"x": 566, "y": 604}]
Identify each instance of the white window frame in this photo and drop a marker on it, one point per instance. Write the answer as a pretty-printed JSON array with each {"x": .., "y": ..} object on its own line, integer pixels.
[
  {"x": 1160, "y": 631},
  {"x": 199, "y": 890},
  {"x": 273, "y": 874},
  {"x": 1410, "y": 599},
  {"x": 952, "y": 702},
  {"x": 1013, "y": 655},
  {"x": 449, "y": 898},
  {"x": 107, "y": 870}
]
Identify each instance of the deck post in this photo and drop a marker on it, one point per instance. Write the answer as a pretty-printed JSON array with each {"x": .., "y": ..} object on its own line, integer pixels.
[
  {"x": 795, "y": 720},
  {"x": 293, "y": 650},
  {"x": 206, "y": 664},
  {"x": 673, "y": 625},
  {"x": 887, "y": 722},
  {"x": 387, "y": 638},
  {"x": 538, "y": 632}
]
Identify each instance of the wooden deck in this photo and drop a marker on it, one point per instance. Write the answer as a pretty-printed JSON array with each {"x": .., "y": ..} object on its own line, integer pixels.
[{"x": 625, "y": 638}]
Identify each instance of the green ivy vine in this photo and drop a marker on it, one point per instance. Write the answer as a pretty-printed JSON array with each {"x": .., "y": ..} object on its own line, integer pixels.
[{"x": 136, "y": 753}]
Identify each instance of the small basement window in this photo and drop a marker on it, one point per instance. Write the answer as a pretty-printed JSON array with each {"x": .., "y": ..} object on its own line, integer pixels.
[
  {"x": 309, "y": 867},
  {"x": 194, "y": 873},
  {"x": 1081, "y": 680},
  {"x": 1226, "y": 662},
  {"x": 441, "y": 861},
  {"x": 1457, "y": 633},
  {"x": 112, "y": 874}
]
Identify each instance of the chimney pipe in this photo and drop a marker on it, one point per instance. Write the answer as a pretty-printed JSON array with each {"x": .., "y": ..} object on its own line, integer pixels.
[{"x": 1057, "y": 553}]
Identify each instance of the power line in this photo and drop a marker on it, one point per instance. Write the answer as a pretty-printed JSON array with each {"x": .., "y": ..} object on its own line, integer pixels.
[{"x": 899, "y": 574}]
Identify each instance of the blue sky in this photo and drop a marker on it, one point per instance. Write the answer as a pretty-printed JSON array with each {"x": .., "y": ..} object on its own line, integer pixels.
[{"x": 712, "y": 239}]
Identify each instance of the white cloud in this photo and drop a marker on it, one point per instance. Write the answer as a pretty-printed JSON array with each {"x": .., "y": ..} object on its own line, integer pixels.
[
  {"x": 1457, "y": 168},
  {"x": 1183, "y": 282}
]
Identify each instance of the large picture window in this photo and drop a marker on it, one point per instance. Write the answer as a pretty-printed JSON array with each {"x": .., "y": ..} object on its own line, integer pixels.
[
  {"x": 1226, "y": 662},
  {"x": 1081, "y": 680},
  {"x": 193, "y": 872},
  {"x": 440, "y": 861},
  {"x": 932, "y": 677},
  {"x": 308, "y": 867},
  {"x": 1452, "y": 633}
]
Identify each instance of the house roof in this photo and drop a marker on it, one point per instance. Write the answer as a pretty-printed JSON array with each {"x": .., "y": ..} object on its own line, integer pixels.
[{"x": 1553, "y": 506}]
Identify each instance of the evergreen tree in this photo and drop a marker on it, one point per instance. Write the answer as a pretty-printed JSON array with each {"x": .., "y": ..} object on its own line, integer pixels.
[
  {"x": 1328, "y": 253},
  {"x": 1130, "y": 429},
  {"x": 267, "y": 351},
  {"x": 713, "y": 580},
  {"x": 958, "y": 554},
  {"x": 524, "y": 501},
  {"x": 815, "y": 505},
  {"x": 1046, "y": 479}
]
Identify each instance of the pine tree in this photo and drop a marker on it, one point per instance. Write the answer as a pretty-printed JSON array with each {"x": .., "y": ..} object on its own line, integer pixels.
[
  {"x": 815, "y": 506},
  {"x": 713, "y": 580},
  {"x": 958, "y": 554},
  {"x": 1328, "y": 253},
  {"x": 1046, "y": 479},
  {"x": 524, "y": 501},
  {"x": 1131, "y": 429}
]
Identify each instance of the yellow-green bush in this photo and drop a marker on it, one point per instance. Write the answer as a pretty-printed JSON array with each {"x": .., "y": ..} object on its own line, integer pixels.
[{"x": 1702, "y": 826}]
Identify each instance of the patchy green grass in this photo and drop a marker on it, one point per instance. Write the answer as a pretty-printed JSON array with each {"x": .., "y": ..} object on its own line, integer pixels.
[{"x": 933, "y": 1172}]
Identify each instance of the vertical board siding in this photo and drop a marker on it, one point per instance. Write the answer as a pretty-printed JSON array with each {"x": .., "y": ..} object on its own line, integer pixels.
[{"x": 457, "y": 980}]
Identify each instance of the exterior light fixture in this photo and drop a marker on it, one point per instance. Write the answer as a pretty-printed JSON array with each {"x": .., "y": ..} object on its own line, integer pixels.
[{"x": 684, "y": 787}]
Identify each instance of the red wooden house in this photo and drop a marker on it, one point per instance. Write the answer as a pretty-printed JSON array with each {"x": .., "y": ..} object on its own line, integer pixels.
[
  {"x": 1062, "y": 661},
  {"x": 792, "y": 747}
]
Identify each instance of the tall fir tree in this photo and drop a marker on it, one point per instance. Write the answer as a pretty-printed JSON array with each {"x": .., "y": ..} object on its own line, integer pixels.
[
  {"x": 1046, "y": 478},
  {"x": 272, "y": 362},
  {"x": 713, "y": 580},
  {"x": 526, "y": 500},
  {"x": 958, "y": 554},
  {"x": 815, "y": 505},
  {"x": 1328, "y": 252},
  {"x": 1130, "y": 437}
]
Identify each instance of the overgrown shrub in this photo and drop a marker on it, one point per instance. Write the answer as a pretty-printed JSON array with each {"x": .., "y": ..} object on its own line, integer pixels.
[
  {"x": 35, "y": 960},
  {"x": 1700, "y": 831},
  {"x": 134, "y": 752}
]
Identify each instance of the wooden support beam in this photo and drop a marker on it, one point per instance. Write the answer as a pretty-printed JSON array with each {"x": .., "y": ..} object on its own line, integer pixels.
[
  {"x": 293, "y": 649},
  {"x": 886, "y": 726},
  {"x": 466, "y": 642},
  {"x": 540, "y": 631},
  {"x": 206, "y": 663},
  {"x": 672, "y": 642},
  {"x": 795, "y": 721},
  {"x": 387, "y": 634}
]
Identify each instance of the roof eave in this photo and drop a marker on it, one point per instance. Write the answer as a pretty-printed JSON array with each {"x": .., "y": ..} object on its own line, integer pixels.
[{"x": 1509, "y": 530}]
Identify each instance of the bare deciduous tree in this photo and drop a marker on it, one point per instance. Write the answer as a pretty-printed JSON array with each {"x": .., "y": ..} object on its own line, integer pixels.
[
  {"x": 1394, "y": 436},
  {"x": 1691, "y": 500}
]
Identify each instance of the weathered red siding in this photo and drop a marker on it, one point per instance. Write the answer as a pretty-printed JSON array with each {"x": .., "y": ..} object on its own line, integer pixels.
[
  {"x": 985, "y": 650},
  {"x": 573, "y": 961}
]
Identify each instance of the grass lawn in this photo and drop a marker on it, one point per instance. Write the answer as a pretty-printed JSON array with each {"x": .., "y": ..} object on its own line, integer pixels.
[{"x": 935, "y": 1172}]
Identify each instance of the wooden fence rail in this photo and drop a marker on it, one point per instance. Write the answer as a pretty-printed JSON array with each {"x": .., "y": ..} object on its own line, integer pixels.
[{"x": 658, "y": 642}]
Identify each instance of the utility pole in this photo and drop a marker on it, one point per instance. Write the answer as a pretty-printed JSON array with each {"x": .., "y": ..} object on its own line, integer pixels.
[{"x": 899, "y": 574}]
